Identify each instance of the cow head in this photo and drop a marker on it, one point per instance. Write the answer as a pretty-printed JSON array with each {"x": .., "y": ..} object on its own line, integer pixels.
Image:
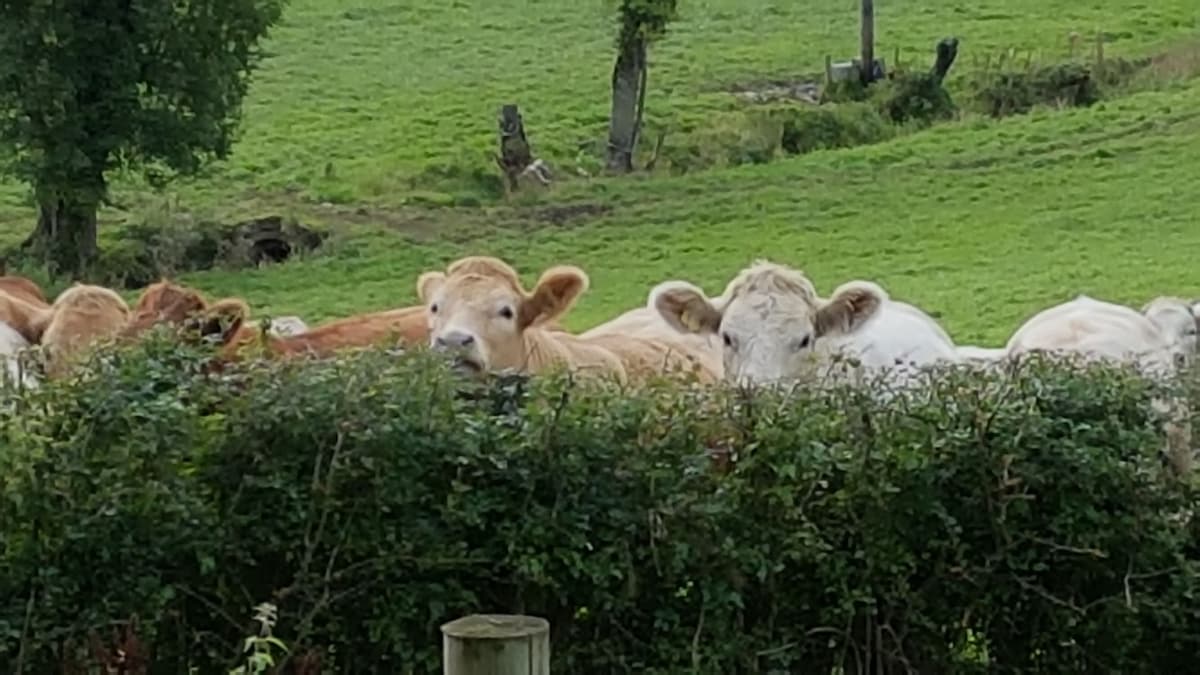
[
  {"x": 479, "y": 311},
  {"x": 168, "y": 303},
  {"x": 1175, "y": 318},
  {"x": 770, "y": 320}
]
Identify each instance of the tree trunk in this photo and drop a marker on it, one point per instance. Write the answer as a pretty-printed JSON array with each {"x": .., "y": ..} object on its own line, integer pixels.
[
  {"x": 629, "y": 91},
  {"x": 947, "y": 51},
  {"x": 65, "y": 238}
]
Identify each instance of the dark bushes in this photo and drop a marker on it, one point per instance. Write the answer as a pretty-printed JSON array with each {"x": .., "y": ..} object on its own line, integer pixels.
[
  {"x": 1007, "y": 525},
  {"x": 914, "y": 97},
  {"x": 145, "y": 252},
  {"x": 843, "y": 125},
  {"x": 758, "y": 136},
  {"x": 850, "y": 117},
  {"x": 1015, "y": 92}
]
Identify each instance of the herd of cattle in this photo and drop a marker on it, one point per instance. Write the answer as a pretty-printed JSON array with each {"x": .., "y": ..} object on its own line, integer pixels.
[{"x": 769, "y": 325}]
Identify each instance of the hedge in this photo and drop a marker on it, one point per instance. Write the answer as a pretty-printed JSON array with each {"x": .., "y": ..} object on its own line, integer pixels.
[{"x": 1002, "y": 522}]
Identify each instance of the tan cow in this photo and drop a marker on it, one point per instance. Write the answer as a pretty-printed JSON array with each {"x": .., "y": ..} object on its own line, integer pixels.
[
  {"x": 647, "y": 322},
  {"x": 480, "y": 312},
  {"x": 80, "y": 317},
  {"x": 775, "y": 328}
]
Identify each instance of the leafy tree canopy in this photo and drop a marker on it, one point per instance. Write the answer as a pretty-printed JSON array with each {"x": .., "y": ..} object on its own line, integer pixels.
[
  {"x": 644, "y": 19},
  {"x": 89, "y": 86}
]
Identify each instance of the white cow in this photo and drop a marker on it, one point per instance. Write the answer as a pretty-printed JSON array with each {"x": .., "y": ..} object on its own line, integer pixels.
[
  {"x": 980, "y": 355},
  {"x": 12, "y": 344},
  {"x": 1177, "y": 318},
  {"x": 1160, "y": 341},
  {"x": 774, "y": 327},
  {"x": 284, "y": 326}
]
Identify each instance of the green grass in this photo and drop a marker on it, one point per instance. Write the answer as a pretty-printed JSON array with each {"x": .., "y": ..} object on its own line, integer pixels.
[
  {"x": 981, "y": 223},
  {"x": 364, "y": 105}
]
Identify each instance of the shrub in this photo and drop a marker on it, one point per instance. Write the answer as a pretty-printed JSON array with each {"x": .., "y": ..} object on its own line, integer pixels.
[
  {"x": 916, "y": 97},
  {"x": 730, "y": 139},
  {"x": 1016, "y": 92},
  {"x": 845, "y": 91},
  {"x": 756, "y": 136},
  {"x": 843, "y": 125},
  {"x": 1003, "y": 523}
]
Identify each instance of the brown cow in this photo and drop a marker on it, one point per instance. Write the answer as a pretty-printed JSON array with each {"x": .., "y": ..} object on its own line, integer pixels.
[
  {"x": 479, "y": 311},
  {"x": 166, "y": 302},
  {"x": 23, "y": 289}
]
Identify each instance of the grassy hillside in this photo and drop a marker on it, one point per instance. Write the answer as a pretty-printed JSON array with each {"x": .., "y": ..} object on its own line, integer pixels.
[
  {"x": 364, "y": 106},
  {"x": 981, "y": 223}
]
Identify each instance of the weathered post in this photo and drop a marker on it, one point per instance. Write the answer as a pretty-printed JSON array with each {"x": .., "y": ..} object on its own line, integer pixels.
[
  {"x": 516, "y": 158},
  {"x": 496, "y": 644},
  {"x": 868, "y": 41},
  {"x": 947, "y": 51}
]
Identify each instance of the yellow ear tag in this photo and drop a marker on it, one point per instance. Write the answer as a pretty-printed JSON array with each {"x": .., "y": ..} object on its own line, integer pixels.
[{"x": 690, "y": 320}]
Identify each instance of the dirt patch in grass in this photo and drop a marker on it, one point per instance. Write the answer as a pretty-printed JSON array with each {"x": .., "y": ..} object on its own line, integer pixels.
[
  {"x": 570, "y": 214},
  {"x": 415, "y": 222},
  {"x": 804, "y": 90},
  {"x": 466, "y": 224}
]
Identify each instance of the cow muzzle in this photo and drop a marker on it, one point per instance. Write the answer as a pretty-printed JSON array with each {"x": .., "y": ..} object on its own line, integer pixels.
[{"x": 463, "y": 350}]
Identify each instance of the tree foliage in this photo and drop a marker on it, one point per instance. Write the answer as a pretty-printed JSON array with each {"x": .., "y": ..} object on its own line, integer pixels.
[
  {"x": 91, "y": 86},
  {"x": 644, "y": 20}
]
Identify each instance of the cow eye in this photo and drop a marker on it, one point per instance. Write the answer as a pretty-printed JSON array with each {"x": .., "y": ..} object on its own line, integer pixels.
[
  {"x": 725, "y": 337},
  {"x": 803, "y": 342},
  {"x": 506, "y": 312},
  {"x": 433, "y": 308}
]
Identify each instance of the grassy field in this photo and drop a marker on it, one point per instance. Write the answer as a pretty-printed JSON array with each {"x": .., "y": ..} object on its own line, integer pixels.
[{"x": 365, "y": 110}]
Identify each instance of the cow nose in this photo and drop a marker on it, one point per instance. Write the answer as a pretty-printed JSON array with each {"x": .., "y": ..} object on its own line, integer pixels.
[{"x": 454, "y": 340}]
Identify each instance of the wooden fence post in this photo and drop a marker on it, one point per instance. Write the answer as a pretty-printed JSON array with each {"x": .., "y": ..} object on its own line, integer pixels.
[
  {"x": 868, "y": 41},
  {"x": 496, "y": 644}
]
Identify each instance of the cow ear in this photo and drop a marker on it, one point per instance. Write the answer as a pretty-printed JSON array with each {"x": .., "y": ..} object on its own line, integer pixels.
[
  {"x": 685, "y": 308},
  {"x": 222, "y": 320},
  {"x": 428, "y": 285},
  {"x": 850, "y": 307},
  {"x": 554, "y": 294}
]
